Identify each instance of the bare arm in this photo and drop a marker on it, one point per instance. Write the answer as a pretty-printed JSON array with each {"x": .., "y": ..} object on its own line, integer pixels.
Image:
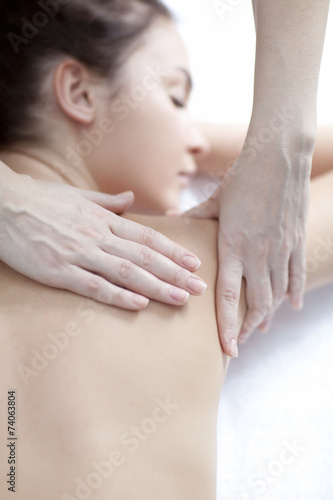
[
  {"x": 226, "y": 141},
  {"x": 290, "y": 38}
]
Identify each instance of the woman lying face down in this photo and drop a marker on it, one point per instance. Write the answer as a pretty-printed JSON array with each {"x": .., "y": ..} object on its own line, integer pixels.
[
  {"x": 101, "y": 95},
  {"x": 110, "y": 115},
  {"x": 113, "y": 368}
]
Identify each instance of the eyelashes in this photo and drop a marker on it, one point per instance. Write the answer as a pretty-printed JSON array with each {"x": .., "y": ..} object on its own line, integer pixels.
[{"x": 178, "y": 103}]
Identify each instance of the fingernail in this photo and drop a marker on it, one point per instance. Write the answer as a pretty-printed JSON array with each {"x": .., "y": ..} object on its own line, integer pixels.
[
  {"x": 191, "y": 262},
  {"x": 179, "y": 295},
  {"x": 196, "y": 285},
  {"x": 140, "y": 301},
  {"x": 126, "y": 196},
  {"x": 234, "y": 348},
  {"x": 298, "y": 303}
]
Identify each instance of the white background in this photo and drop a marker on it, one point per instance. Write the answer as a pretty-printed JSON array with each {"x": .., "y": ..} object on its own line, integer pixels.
[{"x": 222, "y": 53}]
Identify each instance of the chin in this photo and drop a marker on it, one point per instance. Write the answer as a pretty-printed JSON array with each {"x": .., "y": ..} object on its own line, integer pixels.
[{"x": 155, "y": 207}]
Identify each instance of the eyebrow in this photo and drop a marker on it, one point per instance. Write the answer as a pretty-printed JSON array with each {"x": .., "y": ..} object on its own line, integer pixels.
[{"x": 189, "y": 80}]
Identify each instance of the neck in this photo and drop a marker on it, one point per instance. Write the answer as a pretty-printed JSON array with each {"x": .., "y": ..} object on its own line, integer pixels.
[{"x": 48, "y": 165}]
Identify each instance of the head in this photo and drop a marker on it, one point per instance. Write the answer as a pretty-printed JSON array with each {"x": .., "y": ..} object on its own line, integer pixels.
[{"x": 103, "y": 86}]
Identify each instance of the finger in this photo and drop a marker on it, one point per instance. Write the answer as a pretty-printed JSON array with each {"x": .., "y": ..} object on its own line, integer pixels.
[
  {"x": 279, "y": 281},
  {"x": 259, "y": 298},
  {"x": 265, "y": 326},
  {"x": 115, "y": 203},
  {"x": 132, "y": 231},
  {"x": 208, "y": 209},
  {"x": 297, "y": 277},
  {"x": 155, "y": 263},
  {"x": 228, "y": 288},
  {"x": 122, "y": 272},
  {"x": 94, "y": 287}
]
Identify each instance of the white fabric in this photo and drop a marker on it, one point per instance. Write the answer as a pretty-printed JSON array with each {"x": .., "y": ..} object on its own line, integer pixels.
[{"x": 279, "y": 394}]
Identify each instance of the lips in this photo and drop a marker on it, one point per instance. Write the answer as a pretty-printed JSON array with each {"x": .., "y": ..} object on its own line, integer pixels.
[{"x": 185, "y": 177}]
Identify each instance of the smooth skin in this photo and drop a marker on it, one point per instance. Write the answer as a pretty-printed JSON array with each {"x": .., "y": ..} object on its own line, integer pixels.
[
  {"x": 290, "y": 38},
  {"x": 113, "y": 369},
  {"x": 84, "y": 373}
]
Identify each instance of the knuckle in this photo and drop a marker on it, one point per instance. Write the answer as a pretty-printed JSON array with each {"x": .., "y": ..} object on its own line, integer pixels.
[
  {"x": 161, "y": 289},
  {"x": 258, "y": 311},
  {"x": 230, "y": 296},
  {"x": 261, "y": 304},
  {"x": 94, "y": 284},
  {"x": 266, "y": 306},
  {"x": 175, "y": 253},
  {"x": 148, "y": 236},
  {"x": 178, "y": 276},
  {"x": 126, "y": 269},
  {"x": 146, "y": 256},
  {"x": 119, "y": 297}
]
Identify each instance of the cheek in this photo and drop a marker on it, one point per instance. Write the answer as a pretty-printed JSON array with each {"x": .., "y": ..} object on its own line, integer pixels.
[
  {"x": 157, "y": 185},
  {"x": 145, "y": 153}
]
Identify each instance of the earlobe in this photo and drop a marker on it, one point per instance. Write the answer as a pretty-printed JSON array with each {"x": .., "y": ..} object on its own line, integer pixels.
[{"x": 74, "y": 92}]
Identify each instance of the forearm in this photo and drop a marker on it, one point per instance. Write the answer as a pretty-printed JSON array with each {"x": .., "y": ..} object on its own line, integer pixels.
[
  {"x": 226, "y": 141},
  {"x": 290, "y": 37}
]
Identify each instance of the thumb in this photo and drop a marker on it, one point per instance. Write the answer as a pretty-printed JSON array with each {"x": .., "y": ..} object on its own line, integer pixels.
[{"x": 115, "y": 203}]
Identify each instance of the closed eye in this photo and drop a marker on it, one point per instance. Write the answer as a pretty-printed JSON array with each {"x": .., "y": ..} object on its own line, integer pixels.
[{"x": 177, "y": 102}]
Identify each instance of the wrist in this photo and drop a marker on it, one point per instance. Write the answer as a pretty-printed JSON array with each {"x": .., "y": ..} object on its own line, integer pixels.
[{"x": 283, "y": 127}]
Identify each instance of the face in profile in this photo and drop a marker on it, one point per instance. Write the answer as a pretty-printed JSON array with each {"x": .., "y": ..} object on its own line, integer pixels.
[{"x": 153, "y": 144}]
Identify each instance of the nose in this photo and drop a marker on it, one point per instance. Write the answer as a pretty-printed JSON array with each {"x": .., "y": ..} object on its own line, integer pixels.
[{"x": 198, "y": 145}]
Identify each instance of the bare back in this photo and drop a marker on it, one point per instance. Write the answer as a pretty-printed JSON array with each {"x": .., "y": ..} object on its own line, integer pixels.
[{"x": 111, "y": 403}]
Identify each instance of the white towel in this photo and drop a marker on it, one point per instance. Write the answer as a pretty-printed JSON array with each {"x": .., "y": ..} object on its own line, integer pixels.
[{"x": 275, "y": 438}]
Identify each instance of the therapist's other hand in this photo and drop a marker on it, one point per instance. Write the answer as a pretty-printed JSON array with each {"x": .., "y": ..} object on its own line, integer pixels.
[
  {"x": 262, "y": 204},
  {"x": 69, "y": 238}
]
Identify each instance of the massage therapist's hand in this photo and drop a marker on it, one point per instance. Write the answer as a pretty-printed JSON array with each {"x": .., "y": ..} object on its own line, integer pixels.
[
  {"x": 69, "y": 238},
  {"x": 262, "y": 205},
  {"x": 263, "y": 202}
]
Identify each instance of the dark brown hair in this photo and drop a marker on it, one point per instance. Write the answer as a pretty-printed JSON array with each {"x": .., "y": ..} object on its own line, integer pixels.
[{"x": 97, "y": 33}]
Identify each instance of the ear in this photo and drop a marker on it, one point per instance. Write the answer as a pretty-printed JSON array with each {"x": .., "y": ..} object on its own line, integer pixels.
[{"x": 74, "y": 92}]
